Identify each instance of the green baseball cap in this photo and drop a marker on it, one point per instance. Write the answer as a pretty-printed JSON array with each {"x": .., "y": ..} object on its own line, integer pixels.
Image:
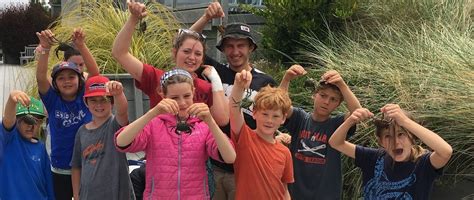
[{"x": 36, "y": 108}]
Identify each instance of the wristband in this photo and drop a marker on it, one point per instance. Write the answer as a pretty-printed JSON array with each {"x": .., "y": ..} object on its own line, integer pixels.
[
  {"x": 41, "y": 50},
  {"x": 216, "y": 82}
]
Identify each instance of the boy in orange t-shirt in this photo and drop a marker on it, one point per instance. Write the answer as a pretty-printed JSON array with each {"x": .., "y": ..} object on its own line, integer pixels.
[{"x": 263, "y": 167}]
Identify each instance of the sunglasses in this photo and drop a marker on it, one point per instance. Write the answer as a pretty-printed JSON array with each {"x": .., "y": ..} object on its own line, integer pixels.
[
  {"x": 31, "y": 119},
  {"x": 184, "y": 32}
]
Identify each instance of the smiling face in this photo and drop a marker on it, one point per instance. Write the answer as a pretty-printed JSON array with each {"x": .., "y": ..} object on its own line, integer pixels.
[
  {"x": 99, "y": 106},
  {"x": 237, "y": 52},
  {"x": 325, "y": 101},
  {"x": 67, "y": 82},
  {"x": 189, "y": 55},
  {"x": 398, "y": 145},
  {"x": 268, "y": 121}
]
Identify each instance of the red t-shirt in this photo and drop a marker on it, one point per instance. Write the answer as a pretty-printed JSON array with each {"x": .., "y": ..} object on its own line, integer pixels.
[
  {"x": 261, "y": 168},
  {"x": 150, "y": 85}
]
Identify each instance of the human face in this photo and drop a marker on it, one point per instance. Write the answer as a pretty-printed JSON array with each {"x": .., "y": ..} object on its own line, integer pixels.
[
  {"x": 398, "y": 146},
  {"x": 182, "y": 93},
  {"x": 268, "y": 121},
  {"x": 325, "y": 101},
  {"x": 189, "y": 55},
  {"x": 28, "y": 131},
  {"x": 67, "y": 82},
  {"x": 78, "y": 60},
  {"x": 237, "y": 52},
  {"x": 99, "y": 106}
]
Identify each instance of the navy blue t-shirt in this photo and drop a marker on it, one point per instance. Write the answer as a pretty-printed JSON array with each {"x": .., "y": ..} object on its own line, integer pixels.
[
  {"x": 316, "y": 165},
  {"x": 385, "y": 179}
]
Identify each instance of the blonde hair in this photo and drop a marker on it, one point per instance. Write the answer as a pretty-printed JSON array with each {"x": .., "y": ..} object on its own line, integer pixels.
[
  {"x": 269, "y": 98},
  {"x": 392, "y": 127}
]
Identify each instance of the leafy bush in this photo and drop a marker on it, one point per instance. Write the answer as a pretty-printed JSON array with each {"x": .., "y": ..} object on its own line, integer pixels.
[
  {"x": 287, "y": 20},
  {"x": 18, "y": 25}
]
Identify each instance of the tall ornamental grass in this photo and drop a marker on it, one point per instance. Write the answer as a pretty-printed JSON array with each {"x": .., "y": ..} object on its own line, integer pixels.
[
  {"x": 418, "y": 54},
  {"x": 101, "y": 21}
]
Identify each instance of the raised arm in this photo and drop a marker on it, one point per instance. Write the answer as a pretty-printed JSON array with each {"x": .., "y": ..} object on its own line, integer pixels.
[
  {"x": 42, "y": 66},
  {"x": 214, "y": 10},
  {"x": 129, "y": 133},
  {"x": 226, "y": 149},
  {"x": 120, "y": 102},
  {"x": 338, "y": 138},
  {"x": 242, "y": 81},
  {"x": 122, "y": 42},
  {"x": 293, "y": 72},
  {"x": 333, "y": 77},
  {"x": 442, "y": 151},
  {"x": 78, "y": 38},
  {"x": 9, "y": 115},
  {"x": 220, "y": 105}
]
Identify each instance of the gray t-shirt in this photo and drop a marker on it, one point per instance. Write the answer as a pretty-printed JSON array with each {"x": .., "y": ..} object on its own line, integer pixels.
[
  {"x": 104, "y": 170},
  {"x": 317, "y": 166}
]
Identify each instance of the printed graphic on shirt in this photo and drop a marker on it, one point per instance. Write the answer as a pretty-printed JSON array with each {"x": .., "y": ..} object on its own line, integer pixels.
[
  {"x": 68, "y": 118},
  {"x": 379, "y": 187},
  {"x": 92, "y": 152},
  {"x": 312, "y": 147}
]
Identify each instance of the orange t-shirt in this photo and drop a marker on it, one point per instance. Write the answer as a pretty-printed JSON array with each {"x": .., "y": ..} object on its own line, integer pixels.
[{"x": 262, "y": 169}]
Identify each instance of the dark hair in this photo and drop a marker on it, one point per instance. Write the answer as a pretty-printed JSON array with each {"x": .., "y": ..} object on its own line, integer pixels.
[
  {"x": 80, "y": 86},
  {"x": 68, "y": 49},
  {"x": 322, "y": 85}
]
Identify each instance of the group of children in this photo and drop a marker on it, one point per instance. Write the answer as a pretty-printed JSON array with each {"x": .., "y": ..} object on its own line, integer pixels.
[{"x": 231, "y": 117}]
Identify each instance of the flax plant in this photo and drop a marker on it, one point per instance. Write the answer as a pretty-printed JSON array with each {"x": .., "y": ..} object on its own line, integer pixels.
[{"x": 418, "y": 54}]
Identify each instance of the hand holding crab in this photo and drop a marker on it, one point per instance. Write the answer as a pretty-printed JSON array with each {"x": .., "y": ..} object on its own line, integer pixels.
[
  {"x": 201, "y": 111},
  {"x": 166, "y": 106}
]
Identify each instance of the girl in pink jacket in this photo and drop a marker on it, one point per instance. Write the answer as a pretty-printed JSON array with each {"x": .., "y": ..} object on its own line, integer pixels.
[{"x": 177, "y": 136}]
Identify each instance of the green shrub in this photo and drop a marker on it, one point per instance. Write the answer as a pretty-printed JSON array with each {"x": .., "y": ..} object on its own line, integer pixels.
[
  {"x": 18, "y": 25},
  {"x": 287, "y": 20}
]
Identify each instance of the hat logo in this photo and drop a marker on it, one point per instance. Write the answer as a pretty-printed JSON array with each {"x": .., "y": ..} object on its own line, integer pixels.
[
  {"x": 245, "y": 28},
  {"x": 97, "y": 86}
]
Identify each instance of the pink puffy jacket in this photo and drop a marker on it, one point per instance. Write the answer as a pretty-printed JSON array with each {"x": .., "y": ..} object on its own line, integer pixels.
[{"x": 176, "y": 164}]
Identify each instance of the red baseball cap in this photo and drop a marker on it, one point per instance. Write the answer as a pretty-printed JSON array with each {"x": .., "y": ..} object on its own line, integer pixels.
[{"x": 96, "y": 86}]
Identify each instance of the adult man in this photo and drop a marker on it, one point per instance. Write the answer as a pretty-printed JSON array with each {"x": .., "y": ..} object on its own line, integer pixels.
[{"x": 237, "y": 44}]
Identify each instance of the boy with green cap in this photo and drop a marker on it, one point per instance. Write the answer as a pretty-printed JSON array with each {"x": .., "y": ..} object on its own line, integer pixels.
[{"x": 25, "y": 171}]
